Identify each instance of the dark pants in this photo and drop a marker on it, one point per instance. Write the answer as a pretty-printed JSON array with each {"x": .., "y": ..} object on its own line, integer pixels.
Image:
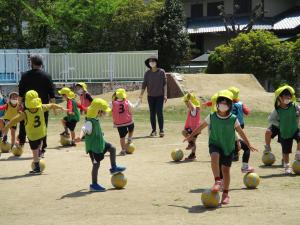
[
  {"x": 22, "y": 132},
  {"x": 156, "y": 109}
]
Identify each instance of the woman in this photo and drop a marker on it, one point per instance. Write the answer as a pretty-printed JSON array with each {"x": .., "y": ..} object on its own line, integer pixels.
[{"x": 155, "y": 81}]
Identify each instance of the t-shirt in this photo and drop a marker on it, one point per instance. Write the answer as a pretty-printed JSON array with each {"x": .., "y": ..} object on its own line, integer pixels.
[
  {"x": 155, "y": 82},
  {"x": 38, "y": 80}
]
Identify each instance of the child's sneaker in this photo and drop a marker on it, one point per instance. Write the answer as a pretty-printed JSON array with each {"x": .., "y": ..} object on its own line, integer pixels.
[
  {"x": 66, "y": 134},
  {"x": 161, "y": 133},
  {"x": 153, "y": 133},
  {"x": 267, "y": 149},
  {"x": 117, "y": 169},
  {"x": 72, "y": 143},
  {"x": 288, "y": 170},
  {"x": 247, "y": 169},
  {"x": 96, "y": 188},
  {"x": 122, "y": 152},
  {"x": 36, "y": 171},
  {"x": 225, "y": 199},
  {"x": 191, "y": 157},
  {"x": 217, "y": 186}
]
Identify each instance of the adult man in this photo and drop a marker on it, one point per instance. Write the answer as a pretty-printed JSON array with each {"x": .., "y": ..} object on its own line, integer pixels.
[{"x": 40, "y": 81}]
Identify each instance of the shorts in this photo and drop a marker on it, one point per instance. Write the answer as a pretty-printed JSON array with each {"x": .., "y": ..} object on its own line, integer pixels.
[
  {"x": 225, "y": 160},
  {"x": 123, "y": 131},
  {"x": 287, "y": 144},
  {"x": 71, "y": 124},
  {"x": 98, "y": 157},
  {"x": 275, "y": 131},
  {"x": 6, "y": 122},
  {"x": 34, "y": 145},
  {"x": 189, "y": 131}
]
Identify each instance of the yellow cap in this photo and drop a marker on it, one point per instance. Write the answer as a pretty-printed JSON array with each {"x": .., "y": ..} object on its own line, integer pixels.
[
  {"x": 71, "y": 95},
  {"x": 97, "y": 105},
  {"x": 67, "y": 91},
  {"x": 235, "y": 91},
  {"x": 32, "y": 100},
  {"x": 121, "y": 93},
  {"x": 83, "y": 85},
  {"x": 192, "y": 98},
  {"x": 281, "y": 89},
  {"x": 226, "y": 94},
  {"x": 214, "y": 102}
]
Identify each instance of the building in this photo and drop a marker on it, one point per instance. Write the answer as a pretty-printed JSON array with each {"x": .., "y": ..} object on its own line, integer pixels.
[{"x": 207, "y": 30}]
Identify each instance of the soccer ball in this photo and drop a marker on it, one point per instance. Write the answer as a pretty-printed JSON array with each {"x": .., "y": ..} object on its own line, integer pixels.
[
  {"x": 119, "y": 180},
  {"x": 251, "y": 180},
  {"x": 210, "y": 199},
  {"x": 177, "y": 155},
  {"x": 130, "y": 149},
  {"x": 296, "y": 167},
  {"x": 17, "y": 150},
  {"x": 64, "y": 140},
  {"x": 42, "y": 165},
  {"x": 5, "y": 147},
  {"x": 268, "y": 158}
]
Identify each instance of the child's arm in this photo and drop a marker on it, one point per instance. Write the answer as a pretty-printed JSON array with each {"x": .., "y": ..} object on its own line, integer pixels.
[
  {"x": 47, "y": 107},
  {"x": 3, "y": 107},
  {"x": 70, "y": 108},
  {"x": 274, "y": 118},
  {"x": 244, "y": 137},
  {"x": 81, "y": 107},
  {"x": 208, "y": 104},
  {"x": 246, "y": 110},
  {"x": 191, "y": 106},
  {"x": 87, "y": 128},
  {"x": 18, "y": 118},
  {"x": 196, "y": 131}
]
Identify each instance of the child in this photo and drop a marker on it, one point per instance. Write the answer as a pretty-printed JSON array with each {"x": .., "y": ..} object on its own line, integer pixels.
[
  {"x": 239, "y": 109},
  {"x": 2, "y": 102},
  {"x": 122, "y": 117},
  {"x": 95, "y": 145},
  {"x": 11, "y": 110},
  {"x": 85, "y": 97},
  {"x": 192, "y": 122},
  {"x": 73, "y": 114},
  {"x": 35, "y": 125},
  {"x": 222, "y": 125},
  {"x": 285, "y": 116}
]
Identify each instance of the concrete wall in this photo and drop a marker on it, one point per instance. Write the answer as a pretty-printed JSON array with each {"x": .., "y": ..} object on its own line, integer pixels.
[{"x": 275, "y": 7}]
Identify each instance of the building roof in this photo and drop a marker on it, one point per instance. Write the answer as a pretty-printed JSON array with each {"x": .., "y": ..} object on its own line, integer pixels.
[
  {"x": 201, "y": 58},
  {"x": 208, "y": 25}
]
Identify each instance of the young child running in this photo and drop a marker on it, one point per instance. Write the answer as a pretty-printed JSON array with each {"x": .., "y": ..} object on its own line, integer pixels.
[
  {"x": 286, "y": 116},
  {"x": 122, "y": 117},
  {"x": 73, "y": 115},
  {"x": 95, "y": 145},
  {"x": 35, "y": 125},
  {"x": 10, "y": 111},
  {"x": 85, "y": 97},
  {"x": 222, "y": 125},
  {"x": 240, "y": 109},
  {"x": 192, "y": 122}
]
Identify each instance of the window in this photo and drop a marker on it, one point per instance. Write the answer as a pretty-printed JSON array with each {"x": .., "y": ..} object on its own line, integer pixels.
[
  {"x": 212, "y": 8},
  {"x": 196, "y": 11},
  {"x": 245, "y": 6}
]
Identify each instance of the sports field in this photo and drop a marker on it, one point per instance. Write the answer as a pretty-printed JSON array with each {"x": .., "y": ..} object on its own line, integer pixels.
[{"x": 158, "y": 191}]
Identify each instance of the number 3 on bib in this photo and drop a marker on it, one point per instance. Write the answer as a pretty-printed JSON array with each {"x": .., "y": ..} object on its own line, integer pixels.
[{"x": 37, "y": 121}]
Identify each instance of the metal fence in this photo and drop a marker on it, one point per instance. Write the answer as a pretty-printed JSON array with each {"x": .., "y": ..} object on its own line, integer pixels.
[{"x": 72, "y": 67}]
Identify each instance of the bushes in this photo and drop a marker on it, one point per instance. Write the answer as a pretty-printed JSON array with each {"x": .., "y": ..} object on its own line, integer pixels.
[{"x": 260, "y": 53}]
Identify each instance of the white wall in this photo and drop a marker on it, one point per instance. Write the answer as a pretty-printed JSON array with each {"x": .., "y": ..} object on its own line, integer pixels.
[{"x": 275, "y": 7}]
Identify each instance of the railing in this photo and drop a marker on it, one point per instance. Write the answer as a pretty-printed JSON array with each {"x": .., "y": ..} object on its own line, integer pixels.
[{"x": 72, "y": 67}]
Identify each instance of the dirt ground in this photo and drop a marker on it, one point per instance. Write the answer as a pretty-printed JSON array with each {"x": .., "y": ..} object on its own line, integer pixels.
[{"x": 159, "y": 191}]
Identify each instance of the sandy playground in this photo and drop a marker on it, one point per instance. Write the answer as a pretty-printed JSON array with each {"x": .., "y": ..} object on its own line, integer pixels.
[{"x": 158, "y": 191}]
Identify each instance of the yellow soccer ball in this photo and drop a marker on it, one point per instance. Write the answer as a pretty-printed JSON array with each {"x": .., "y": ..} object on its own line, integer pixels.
[
  {"x": 119, "y": 180},
  {"x": 268, "y": 159},
  {"x": 296, "y": 167},
  {"x": 42, "y": 165},
  {"x": 130, "y": 149},
  {"x": 251, "y": 180},
  {"x": 177, "y": 155},
  {"x": 17, "y": 151},
  {"x": 210, "y": 199},
  {"x": 64, "y": 140},
  {"x": 5, "y": 147}
]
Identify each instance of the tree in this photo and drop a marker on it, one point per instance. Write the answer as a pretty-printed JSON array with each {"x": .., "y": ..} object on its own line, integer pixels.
[{"x": 168, "y": 35}]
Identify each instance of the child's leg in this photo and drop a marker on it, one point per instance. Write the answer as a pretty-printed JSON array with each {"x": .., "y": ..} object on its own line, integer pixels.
[
  {"x": 130, "y": 132},
  {"x": 2, "y": 125},
  {"x": 13, "y": 136},
  {"x": 35, "y": 147},
  {"x": 226, "y": 177},
  {"x": 123, "y": 143},
  {"x": 122, "y": 134},
  {"x": 246, "y": 156},
  {"x": 297, "y": 155},
  {"x": 95, "y": 158},
  {"x": 287, "y": 145},
  {"x": 73, "y": 135},
  {"x": 112, "y": 150},
  {"x": 215, "y": 157},
  {"x": 64, "y": 123}
]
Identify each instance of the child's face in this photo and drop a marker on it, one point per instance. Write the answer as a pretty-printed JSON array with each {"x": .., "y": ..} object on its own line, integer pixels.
[
  {"x": 64, "y": 97},
  {"x": 14, "y": 99},
  {"x": 285, "y": 99},
  {"x": 79, "y": 89},
  {"x": 223, "y": 106},
  {"x": 101, "y": 113}
]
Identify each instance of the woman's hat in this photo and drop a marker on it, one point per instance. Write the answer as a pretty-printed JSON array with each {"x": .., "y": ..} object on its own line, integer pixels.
[
  {"x": 83, "y": 85},
  {"x": 154, "y": 57},
  {"x": 97, "y": 105},
  {"x": 121, "y": 93},
  {"x": 32, "y": 100}
]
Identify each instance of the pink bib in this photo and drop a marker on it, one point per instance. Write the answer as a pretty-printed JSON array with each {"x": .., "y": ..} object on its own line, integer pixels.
[
  {"x": 84, "y": 102},
  {"x": 121, "y": 114},
  {"x": 192, "y": 122}
]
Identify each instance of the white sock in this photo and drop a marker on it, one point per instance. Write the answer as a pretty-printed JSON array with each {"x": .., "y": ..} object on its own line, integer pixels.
[
  {"x": 286, "y": 165},
  {"x": 245, "y": 165},
  {"x": 130, "y": 139},
  {"x": 298, "y": 152}
]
